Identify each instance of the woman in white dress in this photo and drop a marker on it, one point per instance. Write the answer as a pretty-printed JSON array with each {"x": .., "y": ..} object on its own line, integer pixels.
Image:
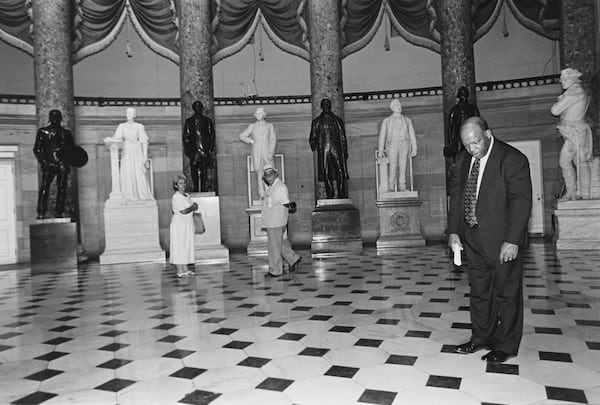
[
  {"x": 261, "y": 136},
  {"x": 181, "y": 247},
  {"x": 134, "y": 159}
]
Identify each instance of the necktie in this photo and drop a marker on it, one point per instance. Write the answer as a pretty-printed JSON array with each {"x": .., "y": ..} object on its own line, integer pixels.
[{"x": 471, "y": 195}]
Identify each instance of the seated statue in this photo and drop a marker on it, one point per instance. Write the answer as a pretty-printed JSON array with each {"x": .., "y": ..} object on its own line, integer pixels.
[
  {"x": 261, "y": 136},
  {"x": 576, "y": 152},
  {"x": 397, "y": 140},
  {"x": 134, "y": 158}
]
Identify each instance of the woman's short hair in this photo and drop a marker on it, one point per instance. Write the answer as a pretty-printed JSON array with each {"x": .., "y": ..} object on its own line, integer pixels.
[{"x": 176, "y": 179}]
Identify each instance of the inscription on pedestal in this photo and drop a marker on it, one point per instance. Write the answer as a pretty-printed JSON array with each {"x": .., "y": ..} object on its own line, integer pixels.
[
  {"x": 335, "y": 230},
  {"x": 53, "y": 247}
]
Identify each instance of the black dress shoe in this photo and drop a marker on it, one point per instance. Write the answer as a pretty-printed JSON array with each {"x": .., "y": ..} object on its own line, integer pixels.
[
  {"x": 470, "y": 347},
  {"x": 294, "y": 266},
  {"x": 269, "y": 274},
  {"x": 496, "y": 357}
]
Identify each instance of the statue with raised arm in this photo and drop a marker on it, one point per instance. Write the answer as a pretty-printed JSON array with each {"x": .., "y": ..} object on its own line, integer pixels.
[
  {"x": 261, "y": 136},
  {"x": 328, "y": 139},
  {"x": 199, "y": 144},
  {"x": 397, "y": 140},
  {"x": 576, "y": 152},
  {"x": 51, "y": 142}
]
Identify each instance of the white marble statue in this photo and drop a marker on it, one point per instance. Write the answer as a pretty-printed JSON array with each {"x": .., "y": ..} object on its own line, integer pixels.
[
  {"x": 397, "y": 140},
  {"x": 134, "y": 158},
  {"x": 261, "y": 135},
  {"x": 576, "y": 152}
]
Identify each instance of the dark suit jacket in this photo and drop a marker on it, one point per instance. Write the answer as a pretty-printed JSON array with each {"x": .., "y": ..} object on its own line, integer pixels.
[{"x": 504, "y": 199}]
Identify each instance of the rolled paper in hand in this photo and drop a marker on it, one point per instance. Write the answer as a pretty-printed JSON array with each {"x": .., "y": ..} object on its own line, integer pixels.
[{"x": 456, "y": 249}]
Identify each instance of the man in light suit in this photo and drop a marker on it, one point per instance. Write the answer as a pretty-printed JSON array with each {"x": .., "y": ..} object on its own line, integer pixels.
[{"x": 490, "y": 205}]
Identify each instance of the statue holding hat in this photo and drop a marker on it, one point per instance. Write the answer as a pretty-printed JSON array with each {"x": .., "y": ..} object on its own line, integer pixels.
[
  {"x": 576, "y": 152},
  {"x": 56, "y": 152},
  {"x": 261, "y": 136}
]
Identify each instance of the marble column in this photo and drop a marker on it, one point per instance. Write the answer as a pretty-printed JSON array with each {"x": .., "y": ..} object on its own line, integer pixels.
[
  {"x": 578, "y": 51},
  {"x": 326, "y": 79},
  {"x": 458, "y": 65},
  {"x": 53, "y": 72},
  {"x": 195, "y": 62}
]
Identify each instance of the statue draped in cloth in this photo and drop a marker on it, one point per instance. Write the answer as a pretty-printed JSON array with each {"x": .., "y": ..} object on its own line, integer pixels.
[
  {"x": 576, "y": 151},
  {"x": 134, "y": 158},
  {"x": 328, "y": 138}
]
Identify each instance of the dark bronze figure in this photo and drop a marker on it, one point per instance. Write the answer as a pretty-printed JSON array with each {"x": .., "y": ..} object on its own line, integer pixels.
[
  {"x": 328, "y": 138},
  {"x": 199, "y": 144},
  {"x": 453, "y": 145},
  {"x": 52, "y": 146},
  {"x": 460, "y": 112}
]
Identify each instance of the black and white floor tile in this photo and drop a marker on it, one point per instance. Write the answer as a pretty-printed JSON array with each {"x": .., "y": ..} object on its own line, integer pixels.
[{"x": 360, "y": 329}]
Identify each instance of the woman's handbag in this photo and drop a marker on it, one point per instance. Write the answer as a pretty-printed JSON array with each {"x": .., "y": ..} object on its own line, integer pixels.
[{"x": 199, "y": 223}]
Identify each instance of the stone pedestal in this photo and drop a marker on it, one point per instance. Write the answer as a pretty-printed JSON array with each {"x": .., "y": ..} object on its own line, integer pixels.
[
  {"x": 399, "y": 221},
  {"x": 258, "y": 245},
  {"x": 335, "y": 228},
  {"x": 208, "y": 247},
  {"x": 131, "y": 232},
  {"x": 577, "y": 225},
  {"x": 258, "y": 237},
  {"x": 53, "y": 246}
]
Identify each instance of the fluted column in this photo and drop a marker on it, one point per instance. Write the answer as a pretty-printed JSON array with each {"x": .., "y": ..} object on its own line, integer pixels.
[
  {"x": 195, "y": 62},
  {"x": 52, "y": 25},
  {"x": 578, "y": 50},
  {"x": 326, "y": 79},
  {"x": 458, "y": 66}
]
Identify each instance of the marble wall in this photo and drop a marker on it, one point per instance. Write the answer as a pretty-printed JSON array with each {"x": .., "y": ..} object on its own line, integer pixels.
[{"x": 514, "y": 114}]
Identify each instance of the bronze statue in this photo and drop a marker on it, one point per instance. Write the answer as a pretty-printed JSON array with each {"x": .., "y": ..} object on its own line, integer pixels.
[
  {"x": 460, "y": 112},
  {"x": 199, "y": 143},
  {"x": 51, "y": 150},
  {"x": 453, "y": 145},
  {"x": 328, "y": 138}
]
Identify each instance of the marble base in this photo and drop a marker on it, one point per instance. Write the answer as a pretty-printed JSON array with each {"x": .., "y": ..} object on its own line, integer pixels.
[
  {"x": 399, "y": 221},
  {"x": 207, "y": 245},
  {"x": 53, "y": 246},
  {"x": 258, "y": 245},
  {"x": 131, "y": 232},
  {"x": 577, "y": 225},
  {"x": 258, "y": 237},
  {"x": 335, "y": 228}
]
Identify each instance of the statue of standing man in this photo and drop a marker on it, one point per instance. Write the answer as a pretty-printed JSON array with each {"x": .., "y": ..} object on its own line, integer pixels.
[
  {"x": 261, "y": 136},
  {"x": 462, "y": 110},
  {"x": 576, "y": 152},
  {"x": 199, "y": 144},
  {"x": 328, "y": 138},
  {"x": 397, "y": 139},
  {"x": 51, "y": 143}
]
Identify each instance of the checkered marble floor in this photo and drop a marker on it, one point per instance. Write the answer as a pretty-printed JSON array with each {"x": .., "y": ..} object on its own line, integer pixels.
[{"x": 361, "y": 329}]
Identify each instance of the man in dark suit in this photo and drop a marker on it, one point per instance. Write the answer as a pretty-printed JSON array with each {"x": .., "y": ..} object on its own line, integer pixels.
[{"x": 490, "y": 205}]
